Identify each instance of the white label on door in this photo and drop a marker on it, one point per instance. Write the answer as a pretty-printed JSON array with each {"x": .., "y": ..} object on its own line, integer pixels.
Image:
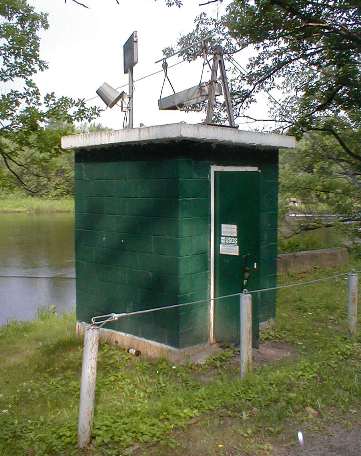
[
  {"x": 228, "y": 249},
  {"x": 229, "y": 240},
  {"x": 229, "y": 230}
]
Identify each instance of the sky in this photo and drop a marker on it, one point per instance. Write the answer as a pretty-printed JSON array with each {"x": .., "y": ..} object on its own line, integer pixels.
[{"x": 84, "y": 48}]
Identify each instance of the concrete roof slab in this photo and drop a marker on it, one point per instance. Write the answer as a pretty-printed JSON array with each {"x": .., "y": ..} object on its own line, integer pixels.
[{"x": 179, "y": 132}]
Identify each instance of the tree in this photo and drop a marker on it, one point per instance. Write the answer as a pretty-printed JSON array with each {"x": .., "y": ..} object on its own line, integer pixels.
[
  {"x": 307, "y": 52},
  {"x": 318, "y": 174},
  {"x": 25, "y": 116},
  {"x": 318, "y": 179},
  {"x": 310, "y": 51},
  {"x": 306, "y": 59},
  {"x": 178, "y": 3}
]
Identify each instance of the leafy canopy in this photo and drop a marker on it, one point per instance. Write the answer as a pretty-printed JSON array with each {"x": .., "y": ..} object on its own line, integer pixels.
[
  {"x": 305, "y": 55},
  {"x": 27, "y": 118},
  {"x": 310, "y": 50}
]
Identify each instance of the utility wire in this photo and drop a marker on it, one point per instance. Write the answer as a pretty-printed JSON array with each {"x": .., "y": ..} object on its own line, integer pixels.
[
  {"x": 243, "y": 72},
  {"x": 36, "y": 277},
  {"x": 160, "y": 71},
  {"x": 140, "y": 79},
  {"x": 101, "y": 320}
]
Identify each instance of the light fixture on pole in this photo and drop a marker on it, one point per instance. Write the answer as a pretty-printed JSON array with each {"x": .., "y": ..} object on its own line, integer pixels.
[{"x": 109, "y": 95}]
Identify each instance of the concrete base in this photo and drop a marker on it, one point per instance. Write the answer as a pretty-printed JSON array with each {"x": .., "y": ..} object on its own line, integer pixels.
[{"x": 152, "y": 349}]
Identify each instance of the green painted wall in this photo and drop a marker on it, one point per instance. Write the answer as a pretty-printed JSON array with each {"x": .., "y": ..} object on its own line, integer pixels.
[{"x": 143, "y": 234}]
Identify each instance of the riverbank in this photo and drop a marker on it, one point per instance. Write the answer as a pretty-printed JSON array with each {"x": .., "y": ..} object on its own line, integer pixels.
[
  {"x": 12, "y": 204},
  {"x": 155, "y": 408}
]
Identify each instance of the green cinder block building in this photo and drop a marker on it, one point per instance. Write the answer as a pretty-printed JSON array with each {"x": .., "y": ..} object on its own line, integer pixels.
[{"x": 175, "y": 214}]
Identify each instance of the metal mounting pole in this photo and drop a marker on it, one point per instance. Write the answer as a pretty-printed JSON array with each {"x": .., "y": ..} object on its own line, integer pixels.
[{"x": 131, "y": 98}]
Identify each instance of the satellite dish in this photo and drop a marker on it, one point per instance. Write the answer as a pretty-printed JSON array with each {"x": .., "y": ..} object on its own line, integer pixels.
[{"x": 109, "y": 95}]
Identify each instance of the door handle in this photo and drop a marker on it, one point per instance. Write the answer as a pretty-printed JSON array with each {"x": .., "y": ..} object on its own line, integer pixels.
[{"x": 247, "y": 269}]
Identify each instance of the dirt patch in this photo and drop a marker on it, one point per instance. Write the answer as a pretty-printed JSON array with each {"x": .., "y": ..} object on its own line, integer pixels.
[
  {"x": 273, "y": 351},
  {"x": 269, "y": 352},
  {"x": 209, "y": 435},
  {"x": 223, "y": 435},
  {"x": 336, "y": 441}
]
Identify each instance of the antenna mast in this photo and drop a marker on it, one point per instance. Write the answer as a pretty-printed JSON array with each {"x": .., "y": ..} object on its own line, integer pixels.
[{"x": 130, "y": 56}]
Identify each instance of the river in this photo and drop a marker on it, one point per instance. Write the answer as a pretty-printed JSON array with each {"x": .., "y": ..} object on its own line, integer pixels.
[{"x": 36, "y": 265}]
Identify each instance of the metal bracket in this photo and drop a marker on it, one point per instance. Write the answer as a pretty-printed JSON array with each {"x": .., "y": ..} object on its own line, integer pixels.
[
  {"x": 218, "y": 62},
  {"x": 101, "y": 320}
]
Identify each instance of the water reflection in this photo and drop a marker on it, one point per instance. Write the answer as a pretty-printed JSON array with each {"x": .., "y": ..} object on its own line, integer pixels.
[{"x": 35, "y": 245}]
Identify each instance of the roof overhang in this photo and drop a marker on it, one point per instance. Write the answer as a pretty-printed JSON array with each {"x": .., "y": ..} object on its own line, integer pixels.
[{"x": 179, "y": 132}]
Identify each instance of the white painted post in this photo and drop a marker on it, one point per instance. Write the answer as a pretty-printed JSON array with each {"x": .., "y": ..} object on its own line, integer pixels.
[
  {"x": 352, "y": 302},
  {"x": 245, "y": 333},
  {"x": 87, "y": 387}
]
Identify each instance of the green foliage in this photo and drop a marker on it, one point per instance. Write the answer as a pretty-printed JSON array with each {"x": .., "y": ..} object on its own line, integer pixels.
[
  {"x": 18, "y": 203},
  {"x": 323, "y": 181},
  {"x": 19, "y": 30},
  {"x": 41, "y": 164},
  {"x": 31, "y": 125},
  {"x": 322, "y": 238},
  {"x": 320, "y": 175},
  {"x": 310, "y": 50},
  {"x": 304, "y": 56},
  {"x": 139, "y": 401}
]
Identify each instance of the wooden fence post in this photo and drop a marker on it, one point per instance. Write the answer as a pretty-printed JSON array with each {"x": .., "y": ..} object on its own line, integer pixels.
[
  {"x": 352, "y": 302},
  {"x": 87, "y": 387},
  {"x": 245, "y": 346}
]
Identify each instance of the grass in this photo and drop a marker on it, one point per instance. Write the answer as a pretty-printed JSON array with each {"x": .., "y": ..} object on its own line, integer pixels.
[
  {"x": 29, "y": 204},
  {"x": 154, "y": 408},
  {"x": 321, "y": 238}
]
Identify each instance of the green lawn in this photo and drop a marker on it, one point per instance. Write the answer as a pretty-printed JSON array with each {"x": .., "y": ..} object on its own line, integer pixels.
[
  {"x": 35, "y": 205},
  {"x": 154, "y": 408}
]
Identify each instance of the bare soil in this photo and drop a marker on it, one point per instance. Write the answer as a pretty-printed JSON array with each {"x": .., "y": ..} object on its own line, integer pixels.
[
  {"x": 225, "y": 436},
  {"x": 335, "y": 441}
]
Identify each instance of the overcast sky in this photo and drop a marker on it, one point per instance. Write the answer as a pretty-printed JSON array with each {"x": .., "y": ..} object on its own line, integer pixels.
[{"x": 84, "y": 48}]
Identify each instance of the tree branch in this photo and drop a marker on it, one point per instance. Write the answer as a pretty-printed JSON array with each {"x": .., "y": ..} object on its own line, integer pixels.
[
  {"x": 265, "y": 120},
  {"x": 83, "y": 4},
  {"x": 21, "y": 165},
  {"x": 210, "y": 1},
  {"x": 309, "y": 21},
  {"x": 338, "y": 138},
  {"x": 28, "y": 189},
  {"x": 79, "y": 3},
  {"x": 282, "y": 65}
]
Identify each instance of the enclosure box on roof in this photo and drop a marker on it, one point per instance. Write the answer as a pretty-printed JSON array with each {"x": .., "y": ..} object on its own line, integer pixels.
[{"x": 175, "y": 214}]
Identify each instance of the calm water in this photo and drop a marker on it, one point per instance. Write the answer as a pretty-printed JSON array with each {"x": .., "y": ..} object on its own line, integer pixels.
[{"x": 41, "y": 246}]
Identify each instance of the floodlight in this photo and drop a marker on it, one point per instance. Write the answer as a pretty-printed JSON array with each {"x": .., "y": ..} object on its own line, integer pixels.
[{"x": 109, "y": 95}]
